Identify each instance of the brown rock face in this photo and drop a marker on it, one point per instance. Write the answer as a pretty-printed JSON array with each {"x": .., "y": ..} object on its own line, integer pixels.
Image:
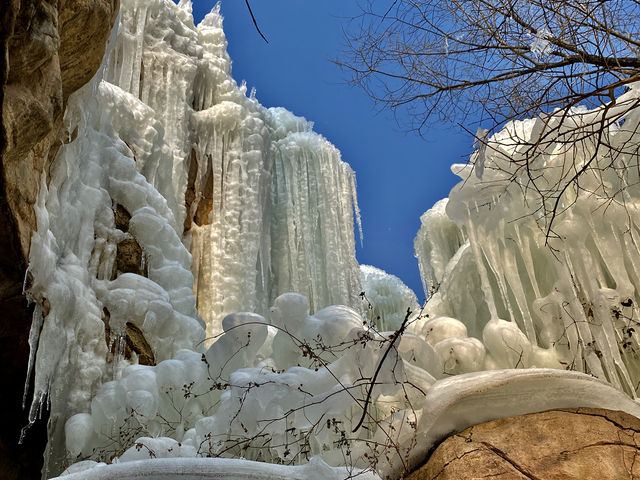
[
  {"x": 135, "y": 342},
  {"x": 129, "y": 254},
  {"x": 49, "y": 48},
  {"x": 198, "y": 208},
  {"x": 571, "y": 444},
  {"x": 53, "y": 47}
]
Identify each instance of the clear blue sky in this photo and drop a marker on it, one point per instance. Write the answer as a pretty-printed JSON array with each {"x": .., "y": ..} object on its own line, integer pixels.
[{"x": 399, "y": 175}]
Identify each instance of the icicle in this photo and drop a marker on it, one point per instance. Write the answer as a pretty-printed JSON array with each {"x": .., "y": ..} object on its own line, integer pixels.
[
  {"x": 356, "y": 208},
  {"x": 25, "y": 286},
  {"x": 35, "y": 413},
  {"x": 118, "y": 345},
  {"x": 34, "y": 333}
]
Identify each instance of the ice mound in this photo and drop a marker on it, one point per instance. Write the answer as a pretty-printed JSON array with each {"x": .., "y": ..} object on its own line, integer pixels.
[
  {"x": 279, "y": 390},
  {"x": 291, "y": 389}
]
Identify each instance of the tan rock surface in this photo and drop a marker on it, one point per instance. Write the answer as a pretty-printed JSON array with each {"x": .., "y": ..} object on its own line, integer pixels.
[
  {"x": 54, "y": 47},
  {"x": 129, "y": 254},
  {"x": 568, "y": 444}
]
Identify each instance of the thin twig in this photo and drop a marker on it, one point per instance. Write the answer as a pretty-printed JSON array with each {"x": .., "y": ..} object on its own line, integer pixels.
[{"x": 255, "y": 23}]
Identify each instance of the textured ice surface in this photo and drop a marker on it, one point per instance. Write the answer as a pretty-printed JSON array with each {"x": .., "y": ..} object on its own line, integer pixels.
[
  {"x": 387, "y": 298},
  {"x": 569, "y": 304},
  {"x": 244, "y": 181},
  {"x": 72, "y": 262},
  {"x": 224, "y": 469},
  {"x": 263, "y": 396},
  {"x": 300, "y": 393}
]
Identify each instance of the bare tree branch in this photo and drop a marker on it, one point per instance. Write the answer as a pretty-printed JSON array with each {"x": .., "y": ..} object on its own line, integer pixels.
[{"x": 255, "y": 23}]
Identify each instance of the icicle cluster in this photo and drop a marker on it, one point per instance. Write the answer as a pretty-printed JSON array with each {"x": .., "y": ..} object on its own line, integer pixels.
[
  {"x": 246, "y": 180},
  {"x": 73, "y": 270},
  {"x": 543, "y": 269}
]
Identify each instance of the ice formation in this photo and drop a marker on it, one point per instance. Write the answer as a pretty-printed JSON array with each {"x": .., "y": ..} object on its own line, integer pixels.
[
  {"x": 530, "y": 292},
  {"x": 296, "y": 394},
  {"x": 282, "y": 390},
  {"x": 386, "y": 298},
  {"x": 170, "y": 172},
  {"x": 218, "y": 205},
  {"x": 196, "y": 469},
  {"x": 246, "y": 180}
]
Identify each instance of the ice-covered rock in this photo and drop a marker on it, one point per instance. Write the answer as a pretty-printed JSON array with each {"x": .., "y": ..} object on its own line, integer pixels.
[{"x": 206, "y": 468}]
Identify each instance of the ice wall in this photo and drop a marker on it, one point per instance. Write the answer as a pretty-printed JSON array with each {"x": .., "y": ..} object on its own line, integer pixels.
[
  {"x": 541, "y": 267},
  {"x": 246, "y": 180},
  {"x": 173, "y": 191}
]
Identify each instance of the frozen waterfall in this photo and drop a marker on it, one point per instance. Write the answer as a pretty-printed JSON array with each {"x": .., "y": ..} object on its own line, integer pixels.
[
  {"x": 245, "y": 180},
  {"x": 179, "y": 208},
  {"x": 175, "y": 197},
  {"x": 563, "y": 294}
]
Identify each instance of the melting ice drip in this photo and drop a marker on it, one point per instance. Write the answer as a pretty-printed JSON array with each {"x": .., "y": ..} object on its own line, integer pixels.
[{"x": 570, "y": 304}]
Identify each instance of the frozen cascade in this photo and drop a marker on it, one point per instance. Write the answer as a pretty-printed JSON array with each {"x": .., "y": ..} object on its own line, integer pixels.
[
  {"x": 245, "y": 179},
  {"x": 208, "y": 196},
  {"x": 572, "y": 304},
  {"x": 386, "y": 297},
  {"x": 163, "y": 153}
]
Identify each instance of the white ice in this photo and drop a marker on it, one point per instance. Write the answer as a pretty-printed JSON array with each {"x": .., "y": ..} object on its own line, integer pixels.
[
  {"x": 233, "y": 205},
  {"x": 567, "y": 300},
  {"x": 386, "y": 298}
]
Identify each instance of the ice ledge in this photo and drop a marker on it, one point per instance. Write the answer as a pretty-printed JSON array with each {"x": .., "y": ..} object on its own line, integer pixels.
[{"x": 208, "y": 468}]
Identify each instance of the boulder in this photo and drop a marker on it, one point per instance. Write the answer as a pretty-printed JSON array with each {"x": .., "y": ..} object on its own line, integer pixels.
[{"x": 564, "y": 444}]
